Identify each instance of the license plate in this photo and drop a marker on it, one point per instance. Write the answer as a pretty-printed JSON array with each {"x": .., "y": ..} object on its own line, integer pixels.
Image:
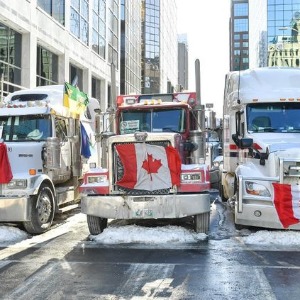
[{"x": 144, "y": 213}]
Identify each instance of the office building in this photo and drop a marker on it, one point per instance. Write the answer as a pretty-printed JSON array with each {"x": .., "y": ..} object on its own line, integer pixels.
[
  {"x": 239, "y": 35},
  {"x": 159, "y": 46},
  {"x": 183, "y": 63},
  {"x": 270, "y": 30},
  {"x": 131, "y": 31},
  {"x": 283, "y": 26},
  {"x": 50, "y": 42}
]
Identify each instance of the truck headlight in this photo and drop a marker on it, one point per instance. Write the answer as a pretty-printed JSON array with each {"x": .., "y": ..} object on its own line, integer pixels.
[
  {"x": 17, "y": 184},
  {"x": 96, "y": 179},
  {"x": 256, "y": 189}
]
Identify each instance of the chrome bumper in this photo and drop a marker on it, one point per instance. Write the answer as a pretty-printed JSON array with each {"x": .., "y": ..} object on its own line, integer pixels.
[
  {"x": 145, "y": 207},
  {"x": 260, "y": 216},
  {"x": 14, "y": 209}
]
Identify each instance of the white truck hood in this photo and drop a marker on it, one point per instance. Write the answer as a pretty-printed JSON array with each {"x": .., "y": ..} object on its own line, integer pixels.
[{"x": 276, "y": 141}]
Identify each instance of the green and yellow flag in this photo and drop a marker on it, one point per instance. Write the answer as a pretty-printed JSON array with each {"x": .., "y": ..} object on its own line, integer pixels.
[{"x": 75, "y": 100}]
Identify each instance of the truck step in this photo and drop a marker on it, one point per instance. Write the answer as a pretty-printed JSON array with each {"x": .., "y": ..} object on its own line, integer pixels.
[{"x": 67, "y": 208}]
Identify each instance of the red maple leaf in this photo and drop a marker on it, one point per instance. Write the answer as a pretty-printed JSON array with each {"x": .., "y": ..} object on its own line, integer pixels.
[{"x": 151, "y": 165}]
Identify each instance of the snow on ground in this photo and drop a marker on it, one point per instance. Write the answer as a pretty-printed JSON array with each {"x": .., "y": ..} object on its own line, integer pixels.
[
  {"x": 163, "y": 235},
  {"x": 147, "y": 235}
]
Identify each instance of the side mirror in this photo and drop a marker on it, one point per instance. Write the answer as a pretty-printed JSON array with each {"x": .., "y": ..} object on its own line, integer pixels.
[{"x": 242, "y": 143}]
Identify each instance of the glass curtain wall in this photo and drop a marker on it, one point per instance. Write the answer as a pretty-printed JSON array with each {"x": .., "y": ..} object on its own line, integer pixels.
[
  {"x": 151, "y": 47},
  {"x": 283, "y": 33}
]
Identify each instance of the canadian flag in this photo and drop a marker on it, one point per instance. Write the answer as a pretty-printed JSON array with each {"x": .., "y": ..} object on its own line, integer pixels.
[
  {"x": 149, "y": 167},
  {"x": 287, "y": 203},
  {"x": 5, "y": 170}
]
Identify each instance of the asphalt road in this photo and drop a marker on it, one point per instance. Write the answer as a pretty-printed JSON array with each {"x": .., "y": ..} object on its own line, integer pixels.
[{"x": 64, "y": 264}]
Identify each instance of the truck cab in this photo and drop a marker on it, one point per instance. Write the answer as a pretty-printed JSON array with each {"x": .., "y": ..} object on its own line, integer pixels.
[
  {"x": 261, "y": 144},
  {"x": 43, "y": 143}
]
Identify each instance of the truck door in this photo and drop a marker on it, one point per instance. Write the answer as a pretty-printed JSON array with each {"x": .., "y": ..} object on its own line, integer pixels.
[{"x": 66, "y": 158}]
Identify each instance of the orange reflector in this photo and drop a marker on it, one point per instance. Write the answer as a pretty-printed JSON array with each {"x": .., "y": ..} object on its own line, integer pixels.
[{"x": 32, "y": 171}]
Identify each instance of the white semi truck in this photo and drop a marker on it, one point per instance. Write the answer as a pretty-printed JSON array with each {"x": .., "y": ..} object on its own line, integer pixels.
[
  {"x": 261, "y": 146},
  {"x": 45, "y": 151}
]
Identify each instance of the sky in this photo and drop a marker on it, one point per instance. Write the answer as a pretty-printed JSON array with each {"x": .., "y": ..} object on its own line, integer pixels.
[
  {"x": 162, "y": 236},
  {"x": 206, "y": 24}
]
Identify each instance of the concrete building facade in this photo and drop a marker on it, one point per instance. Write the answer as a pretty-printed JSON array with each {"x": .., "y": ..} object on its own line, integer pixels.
[
  {"x": 85, "y": 42},
  {"x": 50, "y": 42}
]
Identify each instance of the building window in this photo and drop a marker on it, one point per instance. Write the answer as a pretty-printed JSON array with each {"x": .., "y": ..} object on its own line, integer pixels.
[
  {"x": 55, "y": 8},
  {"x": 96, "y": 88},
  {"x": 10, "y": 56},
  {"x": 47, "y": 67},
  {"x": 79, "y": 20},
  {"x": 76, "y": 76},
  {"x": 240, "y": 25},
  {"x": 240, "y": 9},
  {"x": 113, "y": 33},
  {"x": 99, "y": 27}
]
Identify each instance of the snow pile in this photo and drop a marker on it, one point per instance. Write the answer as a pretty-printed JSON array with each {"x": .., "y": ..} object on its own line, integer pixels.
[
  {"x": 264, "y": 237},
  {"x": 159, "y": 235},
  {"x": 10, "y": 235},
  {"x": 147, "y": 235}
]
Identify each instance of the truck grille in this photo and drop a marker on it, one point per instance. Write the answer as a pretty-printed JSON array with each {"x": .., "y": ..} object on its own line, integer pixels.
[
  {"x": 119, "y": 172},
  {"x": 289, "y": 171}
]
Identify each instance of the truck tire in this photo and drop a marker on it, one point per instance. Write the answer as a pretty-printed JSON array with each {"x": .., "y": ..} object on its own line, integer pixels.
[
  {"x": 221, "y": 192},
  {"x": 96, "y": 224},
  {"x": 201, "y": 222},
  {"x": 42, "y": 211}
]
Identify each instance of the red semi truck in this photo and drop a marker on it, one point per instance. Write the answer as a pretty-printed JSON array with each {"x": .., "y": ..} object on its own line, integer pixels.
[{"x": 152, "y": 162}]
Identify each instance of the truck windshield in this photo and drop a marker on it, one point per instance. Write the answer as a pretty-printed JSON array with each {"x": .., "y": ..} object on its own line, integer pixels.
[
  {"x": 25, "y": 128},
  {"x": 154, "y": 120},
  {"x": 273, "y": 117}
]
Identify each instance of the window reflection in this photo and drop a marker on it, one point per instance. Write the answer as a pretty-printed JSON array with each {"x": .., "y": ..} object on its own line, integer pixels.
[
  {"x": 98, "y": 31},
  {"x": 79, "y": 20},
  {"x": 10, "y": 56},
  {"x": 55, "y": 8},
  {"x": 47, "y": 67},
  {"x": 283, "y": 33}
]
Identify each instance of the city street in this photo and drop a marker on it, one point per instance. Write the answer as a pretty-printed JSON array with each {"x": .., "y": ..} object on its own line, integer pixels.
[{"x": 64, "y": 263}]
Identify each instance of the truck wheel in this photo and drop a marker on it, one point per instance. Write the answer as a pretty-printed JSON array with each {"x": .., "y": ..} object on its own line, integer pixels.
[
  {"x": 42, "y": 211},
  {"x": 201, "y": 222},
  {"x": 96, "y": 224},
  {"x": 221, "y": 192}
]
